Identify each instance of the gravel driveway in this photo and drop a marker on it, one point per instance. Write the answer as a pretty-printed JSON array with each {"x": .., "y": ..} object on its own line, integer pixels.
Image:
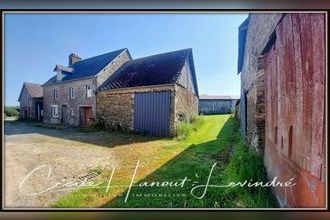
[{"x": 69, "y": 153}]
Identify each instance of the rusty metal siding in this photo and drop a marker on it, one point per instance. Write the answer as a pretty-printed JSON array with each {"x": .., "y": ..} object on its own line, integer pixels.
[
  {"x": 216, "y": 106},
  {"x": 295, "y": 109},
  {"x": 152, "y": 113}
]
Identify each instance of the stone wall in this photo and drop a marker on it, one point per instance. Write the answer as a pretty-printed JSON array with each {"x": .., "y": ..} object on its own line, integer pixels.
[
  {"x": 260, "y": 112},
  {"x": 26, "y": 104},
  {"x": 260, "y": 28},
  {"x": 115, "y": 107},
  {"x": 186, "y": 100},
  {"x": 237, "y": 111},
  {"x": 104, "y": 74},
  {"x": 186, "y": 104}
]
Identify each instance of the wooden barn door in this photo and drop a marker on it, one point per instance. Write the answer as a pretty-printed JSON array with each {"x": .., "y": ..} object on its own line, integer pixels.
[
  {"x": 85, "y": 116},
  {"x": 152, "y": 113},
  {"x": 88, "y": 116},
  {"x": 295, "y": 92}
]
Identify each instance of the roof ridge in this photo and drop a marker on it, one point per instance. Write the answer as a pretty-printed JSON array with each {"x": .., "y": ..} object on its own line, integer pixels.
[
  {"x": 31, "y": 83},
  {"x": 89, "y": 58},
  {"x": 159, "y": 54}
]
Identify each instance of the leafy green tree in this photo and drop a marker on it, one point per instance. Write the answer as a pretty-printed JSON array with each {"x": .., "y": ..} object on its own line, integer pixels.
[{"x": 11, "y": 111}]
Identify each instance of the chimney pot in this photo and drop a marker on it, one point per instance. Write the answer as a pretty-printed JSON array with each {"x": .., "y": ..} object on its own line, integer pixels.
[{"x": 73, "y": 58}]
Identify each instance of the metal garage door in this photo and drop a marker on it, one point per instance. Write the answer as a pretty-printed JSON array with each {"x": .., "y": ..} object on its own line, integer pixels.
[{"x": 152, "y": 113}]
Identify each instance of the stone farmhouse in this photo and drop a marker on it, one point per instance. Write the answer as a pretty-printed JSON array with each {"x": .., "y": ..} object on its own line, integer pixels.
[
  {"x": 147, "y": 95},
  {"x": 31, "y": 101},
  {"x": 282, "y": 107},
  {"x": 69, "y": 96}
]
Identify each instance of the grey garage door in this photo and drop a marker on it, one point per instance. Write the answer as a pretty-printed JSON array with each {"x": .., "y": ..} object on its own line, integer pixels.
[{"x": 152, "y": 113}]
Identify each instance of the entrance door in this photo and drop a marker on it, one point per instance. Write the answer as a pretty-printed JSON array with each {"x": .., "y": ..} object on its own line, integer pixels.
[
  {"x": 38, "y": 110},
  {"x": 64, "y": 114},
  {"x": 85, "y": 116}
]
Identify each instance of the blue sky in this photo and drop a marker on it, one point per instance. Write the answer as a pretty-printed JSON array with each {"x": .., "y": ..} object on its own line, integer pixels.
[{"x": 35, "y": 43}]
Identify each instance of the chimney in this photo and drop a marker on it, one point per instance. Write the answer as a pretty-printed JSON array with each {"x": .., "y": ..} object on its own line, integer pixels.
[{"x": 73, "y": 58}]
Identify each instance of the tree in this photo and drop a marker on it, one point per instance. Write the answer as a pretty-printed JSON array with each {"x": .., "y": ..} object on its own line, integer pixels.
[{"x": 11, "y": 111}]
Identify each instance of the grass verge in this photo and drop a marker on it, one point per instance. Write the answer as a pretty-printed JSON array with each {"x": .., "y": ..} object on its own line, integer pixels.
[{"x": 215, "y": 140}]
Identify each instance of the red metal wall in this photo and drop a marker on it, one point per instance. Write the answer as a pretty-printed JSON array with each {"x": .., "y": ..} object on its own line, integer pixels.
[{"x": 295, "y": 109}]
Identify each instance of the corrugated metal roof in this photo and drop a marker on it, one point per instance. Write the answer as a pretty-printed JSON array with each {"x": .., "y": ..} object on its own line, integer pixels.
[
  {"x": 212, "y": 97},
  {"x": 87, "y": 67},
  {"x": 152, "y": 70}
]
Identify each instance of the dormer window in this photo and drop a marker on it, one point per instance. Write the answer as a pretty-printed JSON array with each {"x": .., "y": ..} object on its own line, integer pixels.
[
  {"x": 55, "y": 94},
  {"x": 61, "y": 71},
  {"x": 72, "y": 93},
  {"x": 59, "y": 75}
]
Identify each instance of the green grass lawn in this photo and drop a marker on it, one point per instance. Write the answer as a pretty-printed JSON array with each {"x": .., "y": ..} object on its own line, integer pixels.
[{"x": 216, "y": 140}]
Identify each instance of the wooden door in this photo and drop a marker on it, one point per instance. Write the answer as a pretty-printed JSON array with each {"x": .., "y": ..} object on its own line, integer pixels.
[
  {"x": 64, "y": 114},
  {"x": 88, "y": 116},
  {"x": 85, "y": 116}
]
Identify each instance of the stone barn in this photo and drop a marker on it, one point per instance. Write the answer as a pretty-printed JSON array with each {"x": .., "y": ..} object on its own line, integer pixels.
[
  {"x": 283, "y": 107},
  {"x": 150, "y": 94},
  {"x": 31, "y": 101}
]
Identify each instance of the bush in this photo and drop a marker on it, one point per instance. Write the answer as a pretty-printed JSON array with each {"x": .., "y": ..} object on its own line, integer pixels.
[
  {"x": 183, "y": 129},
  {"x": 11, "y": 111},
  {"x": 247, "y": 164},
  {"x": 100, "y": 122},
  {"x": 196, "y": 121}
]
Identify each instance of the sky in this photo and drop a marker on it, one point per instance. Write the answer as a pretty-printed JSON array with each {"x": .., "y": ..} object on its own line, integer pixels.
[{"x": 35, "y": 43}]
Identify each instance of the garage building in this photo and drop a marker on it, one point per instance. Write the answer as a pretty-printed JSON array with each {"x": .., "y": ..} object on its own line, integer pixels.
[{"x": 150, "y": 94}]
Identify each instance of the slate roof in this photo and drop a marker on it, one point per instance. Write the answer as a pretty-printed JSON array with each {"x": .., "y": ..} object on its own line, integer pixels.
[
  {"x": 87, "y": 67},
  {"x": 35, "y": 90},
  {"x": 63, "y": 68},
  {"x": 157, "y": 69},
  {"x": 217, "y": 97}
]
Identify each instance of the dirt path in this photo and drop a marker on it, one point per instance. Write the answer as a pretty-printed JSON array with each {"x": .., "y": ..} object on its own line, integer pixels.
[{"x": 69, "y": 154}]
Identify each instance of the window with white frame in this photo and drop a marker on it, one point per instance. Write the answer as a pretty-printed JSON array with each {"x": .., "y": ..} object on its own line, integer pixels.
[
  {"x": 54, "y": 110},
  {"x": 88, "y": 90},
  {"x": 55, "y": 94},
  {"x": 72, "y": 93}
]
